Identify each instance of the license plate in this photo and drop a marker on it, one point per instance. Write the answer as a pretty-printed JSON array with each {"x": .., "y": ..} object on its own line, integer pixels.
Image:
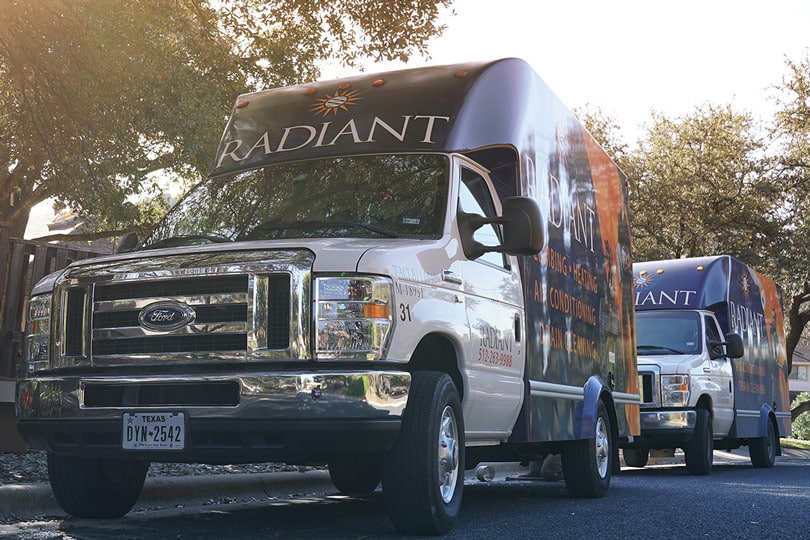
[{"x": 154, "y": 431}]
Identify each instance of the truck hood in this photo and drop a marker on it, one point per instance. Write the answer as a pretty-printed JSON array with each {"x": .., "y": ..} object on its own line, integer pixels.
[
  {"x": 331, "y": 254},
  {"x": 671, "y": 363}
]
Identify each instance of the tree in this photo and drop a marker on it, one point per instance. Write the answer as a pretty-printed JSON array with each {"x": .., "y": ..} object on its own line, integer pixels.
[
  {"x": 792, "y": 166},
  {"x": 699, "y": 186},
  {"x": 95, "y": 100},
  {"x": 604, "y": 128}
]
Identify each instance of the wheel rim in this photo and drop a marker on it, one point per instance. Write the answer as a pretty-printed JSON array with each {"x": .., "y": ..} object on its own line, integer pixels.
[
  {"x": 770, "y": 443},
  {"x": 602, "y": 448},
  {"x": 448, "y": 454}
]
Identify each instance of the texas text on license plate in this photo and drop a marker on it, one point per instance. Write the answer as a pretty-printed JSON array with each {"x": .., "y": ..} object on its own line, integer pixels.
[{"x": 154, "y": 431}]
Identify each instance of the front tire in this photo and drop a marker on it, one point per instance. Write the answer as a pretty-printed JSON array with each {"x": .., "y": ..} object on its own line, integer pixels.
[
  {"x": 96, "y": 488},
  {"x": 762, "y": 451},
  {"x": 423, "y": 475},
  {"x": 699, "y": 453},
  {"x": 586, "y": 463}
]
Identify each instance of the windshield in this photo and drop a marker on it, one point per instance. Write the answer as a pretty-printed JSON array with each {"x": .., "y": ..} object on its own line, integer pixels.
[
  {"x": 386, "y": 196},
  {"x": 668, "y": 332}
]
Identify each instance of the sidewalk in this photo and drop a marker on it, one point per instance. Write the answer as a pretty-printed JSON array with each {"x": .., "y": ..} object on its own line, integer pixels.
[{"x": 725, "y": 457}]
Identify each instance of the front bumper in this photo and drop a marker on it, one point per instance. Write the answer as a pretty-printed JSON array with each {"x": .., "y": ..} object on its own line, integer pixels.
[
  {"x": 660, "y": 428},
  {"x": 230, "y": 417},
  {"x": 668, "y": 420}
]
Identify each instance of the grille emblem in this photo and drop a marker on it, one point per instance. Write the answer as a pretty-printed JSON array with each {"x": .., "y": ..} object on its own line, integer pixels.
[{"x": 166, "y": 316}]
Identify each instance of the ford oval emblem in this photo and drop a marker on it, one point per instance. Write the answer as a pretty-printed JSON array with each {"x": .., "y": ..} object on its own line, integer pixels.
[{"x": 166, "y": 316}]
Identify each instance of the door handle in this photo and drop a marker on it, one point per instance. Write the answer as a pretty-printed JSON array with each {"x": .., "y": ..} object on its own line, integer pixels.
[{"x": 451, "y": 277}]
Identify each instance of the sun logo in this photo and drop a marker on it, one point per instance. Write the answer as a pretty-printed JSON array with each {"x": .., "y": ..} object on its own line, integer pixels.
[
  {"x": 642, "y": 280},
  {"x": 342, "y": 99},
  {"x": 745, "y": 284}
]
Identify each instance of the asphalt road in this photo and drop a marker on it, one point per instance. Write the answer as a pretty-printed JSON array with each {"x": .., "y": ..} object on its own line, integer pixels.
[{"x": 661, "y": 502}]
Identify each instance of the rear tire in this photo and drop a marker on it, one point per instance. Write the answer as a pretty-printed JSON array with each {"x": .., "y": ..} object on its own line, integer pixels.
[
  {"x": 96, "y": 488},
  {"x": 357, "y": 476},
  {"x": 587, "y": 463},
  {"x": 699, "y": 453},
  {"x": 762, "y": 451},
  {"x": 636, "y": 457},
  {"x": 423, "y": 474}
]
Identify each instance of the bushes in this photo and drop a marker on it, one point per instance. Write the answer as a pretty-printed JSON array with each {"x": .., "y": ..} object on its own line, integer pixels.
[{"x": 801, "y": 426}]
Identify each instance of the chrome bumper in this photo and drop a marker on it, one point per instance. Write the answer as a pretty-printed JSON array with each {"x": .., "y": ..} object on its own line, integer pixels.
[
  {"x": 268, "y": 395},
  {"x": 668, "y": 420},
  {"x": 299, "y": 418}
]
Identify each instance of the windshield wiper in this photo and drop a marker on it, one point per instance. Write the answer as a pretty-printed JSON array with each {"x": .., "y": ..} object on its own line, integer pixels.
[
  {"x": 658, "y": 348},
  {"x": 318, "y": 224},
  {"x": 188, "y": 239}
]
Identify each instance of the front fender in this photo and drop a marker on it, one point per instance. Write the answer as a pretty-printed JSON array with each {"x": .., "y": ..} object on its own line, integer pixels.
[
  {"x": 588, "y": 409},
  {"x": 764, "y": 417}
]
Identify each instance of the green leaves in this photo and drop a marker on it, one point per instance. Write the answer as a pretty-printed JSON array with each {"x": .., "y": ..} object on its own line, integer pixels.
[
  {"x": 96, "y": 96},
  {"x": 698, "y": 183}
]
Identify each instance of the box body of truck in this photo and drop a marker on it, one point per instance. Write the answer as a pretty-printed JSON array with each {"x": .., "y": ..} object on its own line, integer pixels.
[
  {"x": 712, "y": 360},
  {"x": 376, "y": 267}
]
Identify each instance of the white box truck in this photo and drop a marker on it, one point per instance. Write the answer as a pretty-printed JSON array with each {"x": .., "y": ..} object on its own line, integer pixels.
[
  {"x": 399, "y": 275},
  {"x": 712, "y": 361}
]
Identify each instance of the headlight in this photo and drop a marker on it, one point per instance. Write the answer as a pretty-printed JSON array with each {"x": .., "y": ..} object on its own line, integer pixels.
[
  {"x": 352, "y": 317},
  {"x": 674, "y": 390},
  {"x": 38, "y": 325}
]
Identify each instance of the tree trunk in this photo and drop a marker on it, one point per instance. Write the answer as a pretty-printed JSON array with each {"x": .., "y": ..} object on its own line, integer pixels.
[
  {"x": 802, "y": 407},
  {"x": 797, "y": 320}
]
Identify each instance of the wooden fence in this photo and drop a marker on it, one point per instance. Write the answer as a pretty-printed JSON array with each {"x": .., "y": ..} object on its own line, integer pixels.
[{"x": 22, "y": 264}]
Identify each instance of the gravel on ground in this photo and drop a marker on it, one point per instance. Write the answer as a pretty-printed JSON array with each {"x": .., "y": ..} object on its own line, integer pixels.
[{"x": 31, "y": 467}]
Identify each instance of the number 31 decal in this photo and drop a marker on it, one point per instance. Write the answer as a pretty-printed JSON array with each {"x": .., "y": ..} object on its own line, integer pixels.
[{"x": 404, "y": 312}]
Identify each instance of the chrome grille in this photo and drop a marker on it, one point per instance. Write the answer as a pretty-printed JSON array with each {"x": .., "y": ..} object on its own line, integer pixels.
[
  {"x": 242, "y": 310},
  {"x": 650, "y": 388},
  {"x": 220, "y": 302}
]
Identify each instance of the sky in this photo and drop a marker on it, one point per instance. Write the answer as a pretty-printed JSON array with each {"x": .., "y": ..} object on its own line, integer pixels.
[{"x": 629, "y": 57}]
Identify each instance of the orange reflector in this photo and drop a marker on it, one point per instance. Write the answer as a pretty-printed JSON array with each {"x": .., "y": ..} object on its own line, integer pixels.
[
  {"x": 461, "y": 74},
  {"x": 378, "y": 82},
  {"x": 375, "y": 311},
  {"x": 345, "y": 86},
  {"x": 242, "y": 104},
  {"x": 309, "y": 91},
  {"x": 660, "y": 271},
  {"x": 700, "y": 269},
  {"x": 643, "y": 273}
]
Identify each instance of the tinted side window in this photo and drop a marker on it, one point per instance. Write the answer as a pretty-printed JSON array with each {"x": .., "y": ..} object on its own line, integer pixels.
[
  {"x": 474, "y": 198},
  {"x": 712, "y": 333}
]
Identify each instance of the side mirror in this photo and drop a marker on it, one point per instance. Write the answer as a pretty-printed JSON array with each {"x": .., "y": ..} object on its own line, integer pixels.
[
  {"x": 522, "y": 231},
  {"x": 734, "y": 346},
  {"x": 128, "y": 242}
]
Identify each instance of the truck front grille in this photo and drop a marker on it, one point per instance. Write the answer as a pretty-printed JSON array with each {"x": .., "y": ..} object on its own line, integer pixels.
[
  {"x": 240, "y": 311},
  {"x": 650, "y": 392}
]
